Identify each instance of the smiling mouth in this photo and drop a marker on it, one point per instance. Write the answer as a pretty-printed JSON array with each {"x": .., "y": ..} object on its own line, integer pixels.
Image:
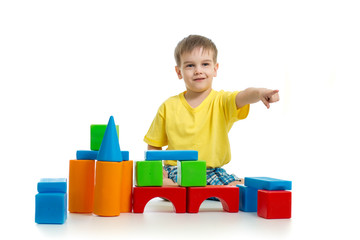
[{"x": 199, "y": 79}]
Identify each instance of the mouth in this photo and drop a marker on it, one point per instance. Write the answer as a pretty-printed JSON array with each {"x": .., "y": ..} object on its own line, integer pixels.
[{"x": 199, "y": 79}]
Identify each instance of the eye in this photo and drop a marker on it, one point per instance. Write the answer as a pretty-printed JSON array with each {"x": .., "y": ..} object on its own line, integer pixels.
[
  {"x": 190, "y": 65},
  {"x": 206, "y": 64}
]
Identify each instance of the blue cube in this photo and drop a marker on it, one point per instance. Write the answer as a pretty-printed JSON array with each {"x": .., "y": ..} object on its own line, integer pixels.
[
  {"x": 50, "y": 208},
  {"x": 247, "y": 198},
  {"x": 266, "y": 183}
]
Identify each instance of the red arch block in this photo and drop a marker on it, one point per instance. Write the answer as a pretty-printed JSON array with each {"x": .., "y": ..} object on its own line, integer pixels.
[
  {"x": 176, "y": 195},
  {"x": 228, "y": 195}
]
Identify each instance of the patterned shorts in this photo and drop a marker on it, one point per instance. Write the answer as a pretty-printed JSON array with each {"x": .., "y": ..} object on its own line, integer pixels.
[{"x": 214, "y": 176}]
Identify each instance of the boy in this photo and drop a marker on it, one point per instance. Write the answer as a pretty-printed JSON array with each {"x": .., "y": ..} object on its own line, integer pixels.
[{"x": 200, "y": 118}]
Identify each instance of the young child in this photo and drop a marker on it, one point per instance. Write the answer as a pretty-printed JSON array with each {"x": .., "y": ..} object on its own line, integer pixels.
[{"x": 200, "y": 118}]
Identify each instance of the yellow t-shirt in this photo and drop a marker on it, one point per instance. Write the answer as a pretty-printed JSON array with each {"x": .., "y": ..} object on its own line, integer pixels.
[{"x": 204, "y": 128}]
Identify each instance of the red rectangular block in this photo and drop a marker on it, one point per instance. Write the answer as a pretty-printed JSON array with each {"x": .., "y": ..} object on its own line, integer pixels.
[{"x": 274, "y": 204}]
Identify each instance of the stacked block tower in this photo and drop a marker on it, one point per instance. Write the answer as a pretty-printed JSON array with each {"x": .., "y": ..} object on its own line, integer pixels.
[
  {"x": 51, "y": 201},
  {"x": 192, "y": 190},
  {"x": 100, "y": 180},
  {"x": 269, "y": 197}
]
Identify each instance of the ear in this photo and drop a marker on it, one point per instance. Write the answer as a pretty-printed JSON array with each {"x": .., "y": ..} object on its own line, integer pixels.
[
  {"x": 216, "y": 68},
  {"x": 178, "y": 72}
]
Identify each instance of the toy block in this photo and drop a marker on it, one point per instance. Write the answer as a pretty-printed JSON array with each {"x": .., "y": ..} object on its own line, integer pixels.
[
  {"x": 274, "y": 204},
  {"x": 191, "y": 173},
  {"x": 97, "y": 132},
  {"x": 176, "y": 195},
  {"x": 52, "y": 185},
  {"x": 180, "y": 155},
  {"x": 50, "y": 208},
  {"x": 247, "y": 198},
  {"x": 267, "y": 183},
  {"x": 126, "y": 186},
  {"x": 110, "y": 148},
  {"x": 86, "y": 155},
  {"x": 92, "y": 155},
  {"x": 228, "y": 196},
  {"x": 149, "y": 173},
  {"x": 81, "y": 186},
  {"x": 107, "y": 192}
]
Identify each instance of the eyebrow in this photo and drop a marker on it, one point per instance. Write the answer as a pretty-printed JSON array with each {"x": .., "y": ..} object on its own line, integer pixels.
[{"x": 206, "y": 60}]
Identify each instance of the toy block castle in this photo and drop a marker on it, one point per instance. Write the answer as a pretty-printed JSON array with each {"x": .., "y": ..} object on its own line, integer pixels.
[{"x": 101, "y": 182}]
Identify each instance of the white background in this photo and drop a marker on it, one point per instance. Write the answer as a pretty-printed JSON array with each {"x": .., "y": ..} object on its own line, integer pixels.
[{"x": 67, "y": 64}]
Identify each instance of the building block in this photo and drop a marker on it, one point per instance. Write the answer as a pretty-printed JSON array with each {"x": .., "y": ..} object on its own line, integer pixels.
[
  {"x": 149, "y": 173},
  {"x": 107, "y": 192},
  {"x": 52, "y": 185},
  {"x": 180, "y": 155},
  {"x": 191, "y": 173},
  {"x": 81, "y": 186},
  {"x": 247, "y": 198},
  {"x": 176, "y": 195},
  {"x": 228, "y": 196},
  {"x": 97, "y": 132},
  {"x": 110, "y": 148},
  {"x": 267, "y": 183},
  {"x": 126, "y": 187},
  {"x": 92, "y": 155},
  {"x": 50, "y": 208},
  {"x": 86, "y": 155},
  {"x": 274, "y": 204}
]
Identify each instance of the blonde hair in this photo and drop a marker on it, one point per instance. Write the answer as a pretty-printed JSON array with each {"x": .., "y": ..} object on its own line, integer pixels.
[{"x": 191, "y": 42}]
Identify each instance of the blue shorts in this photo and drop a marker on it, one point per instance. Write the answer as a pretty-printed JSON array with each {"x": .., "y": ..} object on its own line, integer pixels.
[{"x": 214, "y": 176}]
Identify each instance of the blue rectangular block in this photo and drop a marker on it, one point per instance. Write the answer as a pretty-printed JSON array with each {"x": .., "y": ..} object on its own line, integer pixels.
[
  {"x": 248, "y": 198},
  {"x": 267, "y": 183},
  {"x": 52, "y": 185},
  {"x": 92, "y": 155},
  {"x": 179, "y": 155},
  {"x": 50, "y": 208}
]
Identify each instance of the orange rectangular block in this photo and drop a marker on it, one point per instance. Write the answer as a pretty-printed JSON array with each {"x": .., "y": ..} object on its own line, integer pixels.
[
  {"x": 81, "y": 186},
  {"x": 126, "y": 186},
  {"x": 107, "y": 193}
]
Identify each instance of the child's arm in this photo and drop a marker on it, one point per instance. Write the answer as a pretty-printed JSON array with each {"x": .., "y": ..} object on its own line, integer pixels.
[
  {"x": 154, "y": 148},
  {"x": 253, "y": 95}
]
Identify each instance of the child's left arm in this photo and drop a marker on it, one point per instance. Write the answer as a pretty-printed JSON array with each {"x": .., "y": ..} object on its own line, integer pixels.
[{"x": 254, "y": 95}]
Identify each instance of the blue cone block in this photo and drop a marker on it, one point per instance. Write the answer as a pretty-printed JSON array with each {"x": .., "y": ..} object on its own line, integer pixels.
[{"x": 110, "y": 147}]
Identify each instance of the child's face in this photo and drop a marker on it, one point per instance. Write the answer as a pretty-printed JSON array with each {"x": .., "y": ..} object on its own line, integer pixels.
[{"x": 197, "y": 69}]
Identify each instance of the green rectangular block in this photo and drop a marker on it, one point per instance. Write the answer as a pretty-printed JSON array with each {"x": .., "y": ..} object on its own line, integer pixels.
[
  {"x": 149, "y": 173},
  {"x": 191, "y": 173},
  {"x": 97, "y": 132}
]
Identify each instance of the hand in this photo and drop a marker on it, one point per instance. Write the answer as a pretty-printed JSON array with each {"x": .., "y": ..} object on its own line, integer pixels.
[{"x": 268, "y": 96}]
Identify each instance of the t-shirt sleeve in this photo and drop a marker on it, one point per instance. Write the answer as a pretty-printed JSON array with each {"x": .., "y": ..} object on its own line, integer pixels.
[
  {"x": 235, "y": 114},
  {"x": 156, "y": 135}
]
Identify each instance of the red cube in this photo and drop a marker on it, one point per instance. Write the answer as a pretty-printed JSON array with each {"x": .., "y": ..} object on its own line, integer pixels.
[{"x": 274, "y": 204}]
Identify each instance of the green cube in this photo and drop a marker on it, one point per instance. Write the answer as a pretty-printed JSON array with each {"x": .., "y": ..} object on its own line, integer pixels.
[
  {"x": 191, "y": 173},
  {"x": 97, "y": 132},
  {"x": 149, "y": 173}
]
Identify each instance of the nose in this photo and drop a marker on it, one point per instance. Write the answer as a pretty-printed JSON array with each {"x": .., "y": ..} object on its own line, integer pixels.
[{"x": 198, "y": 70}]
